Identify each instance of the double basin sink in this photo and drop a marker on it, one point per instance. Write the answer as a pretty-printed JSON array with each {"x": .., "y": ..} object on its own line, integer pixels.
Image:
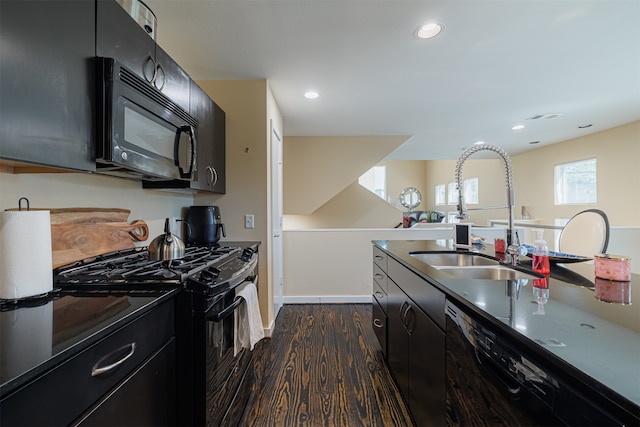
[{"x": 470, "y": 266}]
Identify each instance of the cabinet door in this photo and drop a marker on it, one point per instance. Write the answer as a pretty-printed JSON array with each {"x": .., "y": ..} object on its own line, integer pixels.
[
  {"x": 119, "y": 36},
  {"x": 397, "y": 337},
  {"x": 427, "y": 376},
  {"x": 171, "y": 79},
  {"x": 211, "y": 142},
  {"x": 47, "y": 85}
]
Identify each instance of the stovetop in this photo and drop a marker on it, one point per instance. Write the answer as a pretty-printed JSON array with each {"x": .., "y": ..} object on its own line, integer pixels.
[{"x": 131, "y": 269}]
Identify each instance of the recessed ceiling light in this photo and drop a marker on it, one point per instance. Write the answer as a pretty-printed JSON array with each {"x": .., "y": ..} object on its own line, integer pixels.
[
  {"x": 312, "y": 94},
  {"x": 518, "y": 127},
  {"x": 478, "y": 142},
  {"x": 429, "y": 30}
]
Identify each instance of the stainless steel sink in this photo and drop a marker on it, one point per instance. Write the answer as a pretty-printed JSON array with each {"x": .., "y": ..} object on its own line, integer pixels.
[
  {"x": 470, "y": 266},
  {"x": 453, "y": 259},
  {"x": 487, "y": 273}
]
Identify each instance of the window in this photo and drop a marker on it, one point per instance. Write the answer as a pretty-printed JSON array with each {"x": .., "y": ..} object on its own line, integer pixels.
[
  {"x": 470, "y": 187},
  {"x": 441, "y": 195},
  {"x": 452, "y": 194},
  {"x": 575, "y": 183},
  {"x": 375, "y": 180}
]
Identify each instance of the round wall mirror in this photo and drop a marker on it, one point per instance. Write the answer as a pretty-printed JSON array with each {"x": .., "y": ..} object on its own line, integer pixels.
[{"x": 410, "y": 197}]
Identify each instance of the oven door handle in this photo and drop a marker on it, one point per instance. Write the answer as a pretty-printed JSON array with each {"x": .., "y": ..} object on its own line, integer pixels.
[{"x": 221, "y": 315}]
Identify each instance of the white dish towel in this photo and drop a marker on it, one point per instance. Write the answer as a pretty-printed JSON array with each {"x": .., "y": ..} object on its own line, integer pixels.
[{"x": 248, "y": 322}]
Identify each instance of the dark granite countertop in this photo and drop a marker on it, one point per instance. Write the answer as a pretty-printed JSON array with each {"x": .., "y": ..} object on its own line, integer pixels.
[
  {"x": 570, "y": 325},
  {"x": 39, "y": 335}
]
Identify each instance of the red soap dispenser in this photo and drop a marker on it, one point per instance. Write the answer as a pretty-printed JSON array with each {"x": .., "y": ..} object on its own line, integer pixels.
[{"x": 541, "y": 255}]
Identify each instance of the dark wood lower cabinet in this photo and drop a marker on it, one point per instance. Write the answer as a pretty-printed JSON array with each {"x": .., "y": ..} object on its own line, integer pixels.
[
  {"x": 416, "y": 356},
  {"x": 147, "y": 397}
]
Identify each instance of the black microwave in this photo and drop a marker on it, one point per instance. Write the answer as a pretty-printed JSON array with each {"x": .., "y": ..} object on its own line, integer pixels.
[{"x": 141, "y": 133}]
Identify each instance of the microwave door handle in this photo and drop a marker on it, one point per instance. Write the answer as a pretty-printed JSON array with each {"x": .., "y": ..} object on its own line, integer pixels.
[{"x": 176, "y": 150}]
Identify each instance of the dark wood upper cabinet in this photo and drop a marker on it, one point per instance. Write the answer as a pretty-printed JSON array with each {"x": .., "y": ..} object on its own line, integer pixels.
[
  {"x": 120, "y": 37},
  {"x": 47, "y": 86},
  {"x": 211, "y": 147}
]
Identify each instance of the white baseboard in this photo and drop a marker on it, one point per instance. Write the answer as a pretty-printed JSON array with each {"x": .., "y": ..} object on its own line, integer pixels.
[
  {"x": 328, "y": 299},
  {"x": 269, "y": 331}
]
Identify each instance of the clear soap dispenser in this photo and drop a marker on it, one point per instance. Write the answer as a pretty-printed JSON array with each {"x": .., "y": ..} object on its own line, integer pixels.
[{"x": 541, "y": 255}]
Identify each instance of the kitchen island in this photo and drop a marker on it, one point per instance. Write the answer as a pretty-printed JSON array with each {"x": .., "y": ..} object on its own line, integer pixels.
[{"x": 568, "y": 323}]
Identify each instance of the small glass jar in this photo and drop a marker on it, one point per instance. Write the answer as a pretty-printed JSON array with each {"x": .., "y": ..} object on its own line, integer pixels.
[{"x": 612, "y": 267}]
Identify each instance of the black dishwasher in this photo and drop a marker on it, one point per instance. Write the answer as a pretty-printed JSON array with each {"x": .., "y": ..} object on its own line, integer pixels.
[{"x": 490, "y": 382}]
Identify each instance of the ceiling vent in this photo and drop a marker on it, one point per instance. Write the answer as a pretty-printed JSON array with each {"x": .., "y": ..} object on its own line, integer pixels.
[{"x": 545, "y": 116}]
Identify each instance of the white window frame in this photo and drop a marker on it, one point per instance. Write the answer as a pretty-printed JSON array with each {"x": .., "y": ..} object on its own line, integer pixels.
[
  {"x": 452, "y": 194},
  {"x": 441, "y": 194},
  {"x": 375, "y": 180},
  {"x": 471, "y": 191},
  {"x": 567, "y": 189}
]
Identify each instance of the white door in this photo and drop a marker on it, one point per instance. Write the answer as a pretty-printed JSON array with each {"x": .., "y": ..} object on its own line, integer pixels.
[{"x": 276, "y": 218}]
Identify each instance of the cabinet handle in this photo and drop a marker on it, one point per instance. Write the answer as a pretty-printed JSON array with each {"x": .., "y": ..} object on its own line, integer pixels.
[
  {"x": 378, "y": 257},
  {"x": 378, "y": 294},
  {"x": 378, "y": 323},
  {"x": 99, "y": 371},
  {"x": 403, "y": 312},
  {"x": 410, "y": 319},
  {"x": 379, "y": 276},
  {"x": 153, "y": 67},
  {"x": 157, "y": 75},
  {"x": 215, "y": 176}
]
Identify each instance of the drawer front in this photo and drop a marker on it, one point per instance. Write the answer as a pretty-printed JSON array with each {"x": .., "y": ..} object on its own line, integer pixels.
[
  {"x": 380, "y": 295},
  {"x": 65, "y": 392},
  {"x": 145, "y": 398},
  {"x": 379, "y": 322},
  {"x": 380, "y": 258},
  {"x": 380, "y": 277}
]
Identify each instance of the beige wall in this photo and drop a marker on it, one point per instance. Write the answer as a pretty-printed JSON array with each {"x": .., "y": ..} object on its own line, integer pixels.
[
  {"x": 355, "y": 207},
  {"x": 318, "y": 168},
  {"x": 618, "y": 172},
  {"x": 617, "y": 151},
  {"x": 402, "y": 174},
  {"x": 492, "y": 189},
  {"x": 249, "y": 107},
  {"x": 70, "y": 190}
]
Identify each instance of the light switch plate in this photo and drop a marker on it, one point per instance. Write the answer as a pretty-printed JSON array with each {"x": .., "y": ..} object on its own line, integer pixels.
[{"x": 248, "y": 221}]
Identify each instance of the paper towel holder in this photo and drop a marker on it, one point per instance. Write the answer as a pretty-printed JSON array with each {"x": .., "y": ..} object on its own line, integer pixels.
[{"x": 20, "y": 203}]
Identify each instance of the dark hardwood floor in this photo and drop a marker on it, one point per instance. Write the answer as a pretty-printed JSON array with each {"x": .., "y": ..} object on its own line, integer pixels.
[{"x": 323, "y": 367}]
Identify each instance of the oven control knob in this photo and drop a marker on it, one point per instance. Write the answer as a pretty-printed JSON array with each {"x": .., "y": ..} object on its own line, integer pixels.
[{"x": 247, "y": 254}]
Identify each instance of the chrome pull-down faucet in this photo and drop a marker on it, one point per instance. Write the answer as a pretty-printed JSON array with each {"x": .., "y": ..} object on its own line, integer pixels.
[{"x": 514, "y": 247}]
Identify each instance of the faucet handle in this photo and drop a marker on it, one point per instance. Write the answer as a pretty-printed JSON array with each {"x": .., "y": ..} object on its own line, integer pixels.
[{"x": 516, "y": 251}]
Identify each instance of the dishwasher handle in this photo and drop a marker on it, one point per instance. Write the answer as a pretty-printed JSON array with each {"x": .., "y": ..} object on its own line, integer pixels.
[{"x": 501, "y": 378}]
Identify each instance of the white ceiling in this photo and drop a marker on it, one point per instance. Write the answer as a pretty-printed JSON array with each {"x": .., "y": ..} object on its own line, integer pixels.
[{"x": 496, "y": 64}]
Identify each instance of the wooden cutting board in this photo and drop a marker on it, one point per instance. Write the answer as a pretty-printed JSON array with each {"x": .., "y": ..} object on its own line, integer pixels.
[{"x": 80, "y": 233}]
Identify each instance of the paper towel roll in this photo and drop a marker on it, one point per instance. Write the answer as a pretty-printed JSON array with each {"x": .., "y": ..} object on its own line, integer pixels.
[{"x": 25, "y": 254}]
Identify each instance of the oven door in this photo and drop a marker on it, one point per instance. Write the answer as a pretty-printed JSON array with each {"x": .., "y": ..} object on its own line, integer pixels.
[
  {"x": 229, "y": 376},
  {"x": 143, "y": 133}
]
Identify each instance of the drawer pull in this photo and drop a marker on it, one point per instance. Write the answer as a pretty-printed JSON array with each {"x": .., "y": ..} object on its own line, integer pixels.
[
  {"x": 379, "y": 276},
  {"x": 379, "y": 295},
  {"x": 378, "y": 257},
  {"x": 377, "y": 323},
  {"x": 99, "y": 371}
]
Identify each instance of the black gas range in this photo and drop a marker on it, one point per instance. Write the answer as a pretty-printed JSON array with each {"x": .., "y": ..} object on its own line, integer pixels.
[{"x": 213, "y": 377}]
